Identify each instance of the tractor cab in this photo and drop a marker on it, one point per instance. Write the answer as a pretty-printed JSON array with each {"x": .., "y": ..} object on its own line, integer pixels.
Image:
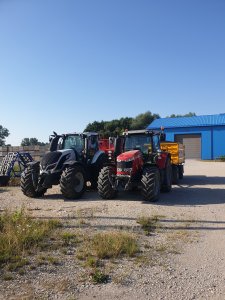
[{"x": 147, "y": 142}]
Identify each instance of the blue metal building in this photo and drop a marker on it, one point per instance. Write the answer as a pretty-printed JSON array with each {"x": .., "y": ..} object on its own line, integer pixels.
[{"x": 203, "y": 136}]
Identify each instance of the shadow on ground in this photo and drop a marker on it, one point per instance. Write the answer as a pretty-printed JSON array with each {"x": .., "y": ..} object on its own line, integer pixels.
[{"x": 192, "y": 190}]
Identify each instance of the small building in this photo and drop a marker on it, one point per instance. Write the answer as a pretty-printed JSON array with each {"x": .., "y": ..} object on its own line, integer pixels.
[{"x": 203, "y": 136}]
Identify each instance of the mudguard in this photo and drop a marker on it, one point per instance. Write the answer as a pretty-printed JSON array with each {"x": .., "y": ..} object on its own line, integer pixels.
[
  {"x": 98, "y": 156},
  {"x": 162, "y": 158}
]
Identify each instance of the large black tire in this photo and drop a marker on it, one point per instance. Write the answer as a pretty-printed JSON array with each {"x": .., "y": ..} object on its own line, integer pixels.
[
  {"x": 28, "y": 177},
  {"x": 167, "y": 178},
  {"x": 175, "y": 175},
  {"x": 150, "y": 184},
  {"x": 105, "y": 189},
  {"x": 96, "y": 170},
  {"x": 73, "y": 182},
  {"x": 181, "y": 171}
]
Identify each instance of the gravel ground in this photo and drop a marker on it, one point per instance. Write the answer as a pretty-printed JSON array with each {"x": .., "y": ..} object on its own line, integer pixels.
[{"x": 184, "y": 258}]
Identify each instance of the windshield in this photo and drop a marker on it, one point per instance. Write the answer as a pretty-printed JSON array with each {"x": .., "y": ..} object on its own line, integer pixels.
[
  {"x": 139, "y": 142},
  {"x": 73, "y": 142}
]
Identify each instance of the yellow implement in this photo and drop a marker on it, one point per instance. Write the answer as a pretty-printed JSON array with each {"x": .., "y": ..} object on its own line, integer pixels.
[{"x": 177, "y": 153}]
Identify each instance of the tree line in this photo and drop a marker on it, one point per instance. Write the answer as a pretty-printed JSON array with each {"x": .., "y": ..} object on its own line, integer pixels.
[{"x": 104, "y": 128}]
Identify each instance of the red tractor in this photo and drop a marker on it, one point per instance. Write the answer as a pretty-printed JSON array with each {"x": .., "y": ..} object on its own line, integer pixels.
[{"x": 141, "y": 165}]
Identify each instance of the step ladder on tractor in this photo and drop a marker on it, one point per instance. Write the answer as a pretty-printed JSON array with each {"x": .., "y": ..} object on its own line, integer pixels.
[{"x": 13, "y": 164}]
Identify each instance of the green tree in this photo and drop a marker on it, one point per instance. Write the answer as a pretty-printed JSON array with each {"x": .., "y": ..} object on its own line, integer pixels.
[
  {"x": 4, "y": 132},
  {"x": 117, "y": 126},
  {"x": 143, "y": 120},
  {"x": 190, "y": 114},
  {"x": 32, "y": 142}
]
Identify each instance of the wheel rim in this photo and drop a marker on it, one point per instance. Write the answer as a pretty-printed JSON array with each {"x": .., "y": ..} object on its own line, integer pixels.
[{"x": 79, "y": 182}]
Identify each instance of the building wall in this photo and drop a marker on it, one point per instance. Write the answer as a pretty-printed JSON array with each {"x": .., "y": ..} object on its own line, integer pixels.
[
  {"x": 218, "y": 141},
  {"x": 212, "y": 139}
]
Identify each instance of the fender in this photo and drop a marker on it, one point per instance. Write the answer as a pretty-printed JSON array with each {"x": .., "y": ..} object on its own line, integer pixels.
[
  {"x": 149, "y": 164},
  {"x": 162, "y": 158},
  {"x": 71, "y": 163},
  {"x": 97, "y": 155}
]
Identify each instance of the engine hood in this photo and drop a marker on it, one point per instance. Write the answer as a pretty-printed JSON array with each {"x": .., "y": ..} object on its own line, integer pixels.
[{"x": 129, "y": 155}]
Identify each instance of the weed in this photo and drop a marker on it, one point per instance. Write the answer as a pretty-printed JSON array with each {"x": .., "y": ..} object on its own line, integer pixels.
[
  {"x": 149, "y": 224},
  {"x": 53, "y": 260},
  {"x": 91, "y": 262},
  {"x": 7, "y": 277},
  {"x": 22, "y": 272},
  {"x": 20, "y": 234},
  {"x": 98, "y": 276},
  {"x": 68, "y": 238},
  {"x": 17, "y": 264},
  {"x": 114, "y": 244}
]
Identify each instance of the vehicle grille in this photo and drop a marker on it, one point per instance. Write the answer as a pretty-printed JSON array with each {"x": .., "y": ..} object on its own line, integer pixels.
[{"x": 124, "y": 164}]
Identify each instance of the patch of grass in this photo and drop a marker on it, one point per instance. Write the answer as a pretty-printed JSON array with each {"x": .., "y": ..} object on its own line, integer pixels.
[
  {"x": 17, "y": 264},
  {"x": 161, "y": 248},
  {"x": 19, "y": 234},
  {"x": 221, "y": 158},
  {"x": 92, "y": 262},
  {"x": 98, "y": 276},
  {"x": 68, "y": 238},
  {"x": 7, "y": 277},
  {"x": 149, "y": 224},
  {"x": 142, "y": 260},
  {"x": 114, "y": 244},
  {"x": 53, "y": 260}
]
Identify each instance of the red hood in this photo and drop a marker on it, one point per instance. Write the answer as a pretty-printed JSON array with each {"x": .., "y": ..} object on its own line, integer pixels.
[{"x": 129, "y": 155}]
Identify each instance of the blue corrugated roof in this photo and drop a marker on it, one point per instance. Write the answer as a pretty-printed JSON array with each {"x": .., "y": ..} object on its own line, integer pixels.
[{"x": 209, "y": 120}]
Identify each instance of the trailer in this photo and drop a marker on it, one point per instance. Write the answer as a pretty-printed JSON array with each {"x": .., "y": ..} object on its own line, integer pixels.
[{"x": 177, "y": 152}]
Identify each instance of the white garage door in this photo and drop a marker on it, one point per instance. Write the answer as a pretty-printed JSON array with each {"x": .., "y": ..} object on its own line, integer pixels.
[{"x": 192, "y": 144}]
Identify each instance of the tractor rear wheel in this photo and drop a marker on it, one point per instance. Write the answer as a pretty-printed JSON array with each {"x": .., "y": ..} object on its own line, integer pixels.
[
  {"x": 167, "y": 180},
  {"x": 72, "y": 182},
  {"x": 105, "y": 179},
  {"x": 28, "y": 177},
  {"x": 150, "y": 182},
  {"x": 175, "y": 174},
  {"x": 181, "y": 171}
]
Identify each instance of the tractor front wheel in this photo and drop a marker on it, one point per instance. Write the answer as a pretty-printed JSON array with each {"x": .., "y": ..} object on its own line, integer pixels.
[
  {"x": 150, "y": 182},
  {"x": 72, "y": 182},
  {"x": 167, "y": 178},
  {"x": 105, "y": 180},
  {"x": 28, "y": 178}
]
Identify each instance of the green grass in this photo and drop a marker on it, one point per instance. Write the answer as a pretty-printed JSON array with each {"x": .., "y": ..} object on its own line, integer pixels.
[
  {"x": 68, "y": 238},
  {"x": 20, "y": 234},
  {"x": 221, "y": 158},
  {"x": 98, "y": 276},
  {"x": 149, "y": 224},
  {"x": 114, "y": 244}
]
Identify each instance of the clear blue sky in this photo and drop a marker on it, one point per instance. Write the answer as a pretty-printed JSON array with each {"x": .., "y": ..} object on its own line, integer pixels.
[{"x": 65, "y": 63}]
